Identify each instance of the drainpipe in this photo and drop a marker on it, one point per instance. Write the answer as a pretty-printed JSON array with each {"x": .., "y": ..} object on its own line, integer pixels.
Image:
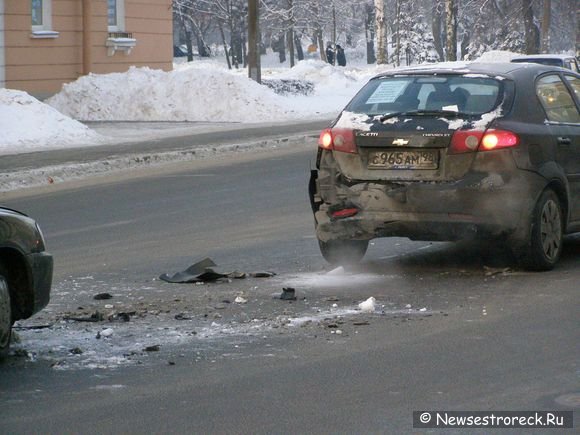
[
  {"x": 87, "y": 37},
  {"x": 2, "y": 43}
]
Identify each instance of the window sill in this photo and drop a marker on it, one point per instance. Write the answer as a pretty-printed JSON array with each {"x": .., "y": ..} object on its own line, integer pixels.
[
  {"x": 115, "y": 44},
  {"x": 44, "y": 34}
]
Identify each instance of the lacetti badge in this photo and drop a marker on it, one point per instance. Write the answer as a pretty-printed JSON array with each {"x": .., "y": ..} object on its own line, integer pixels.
[{"x": 400, "y": 142}]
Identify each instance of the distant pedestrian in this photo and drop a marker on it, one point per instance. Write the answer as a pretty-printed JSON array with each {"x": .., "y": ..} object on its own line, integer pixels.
[
  {"x": 340, "y": 57},
  {"x": 329, "y": 53}
]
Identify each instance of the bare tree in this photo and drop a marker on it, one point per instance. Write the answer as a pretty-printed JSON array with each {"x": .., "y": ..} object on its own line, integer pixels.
[
  {"x": 546, "y": 23},
  {"x": 381, "y": 32},
  {"x": 531, "y": 30},
  {"x": 370, "y": 33},
  {"x": 451, "y": 29},
  {"x": 436, "y": 19}
]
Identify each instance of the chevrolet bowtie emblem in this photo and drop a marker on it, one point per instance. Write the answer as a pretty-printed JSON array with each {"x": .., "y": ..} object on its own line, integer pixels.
[{"x": 400, "y": 142}]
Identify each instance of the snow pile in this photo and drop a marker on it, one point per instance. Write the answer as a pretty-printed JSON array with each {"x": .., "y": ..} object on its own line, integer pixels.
[
  {"x": 495, "y": 56},
  {"x": 29, "y": 125},
  {"x": 188, "y": 93}
]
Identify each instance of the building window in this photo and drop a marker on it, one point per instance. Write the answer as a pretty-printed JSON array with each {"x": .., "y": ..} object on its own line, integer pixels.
[
  {"x": 116, "y": 15},
  {"x": 41, "y": 19},
  {"x": 40, "y": 11}
]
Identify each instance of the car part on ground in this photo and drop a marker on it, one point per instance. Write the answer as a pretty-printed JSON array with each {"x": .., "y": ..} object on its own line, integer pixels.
[{"x": 450, "y": 153}]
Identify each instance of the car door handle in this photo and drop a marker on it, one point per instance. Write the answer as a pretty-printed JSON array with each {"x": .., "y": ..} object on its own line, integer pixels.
[{"x": 564, "y": 140}]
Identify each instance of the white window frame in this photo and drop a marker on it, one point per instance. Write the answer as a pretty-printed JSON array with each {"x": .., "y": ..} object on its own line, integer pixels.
[
  {"x": 46, "y": 16},
  {"x": 44, "y": 30},
  {"x": 120, "y": 26}
]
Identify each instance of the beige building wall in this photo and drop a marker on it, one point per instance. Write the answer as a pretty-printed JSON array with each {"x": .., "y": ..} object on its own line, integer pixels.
[
  {"x": 2, "y": 55},
  {"x": 41, "y": 65}
]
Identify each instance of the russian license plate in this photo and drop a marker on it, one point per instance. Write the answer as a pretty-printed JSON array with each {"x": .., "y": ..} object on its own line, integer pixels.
[{"x": 395, "y": 159}]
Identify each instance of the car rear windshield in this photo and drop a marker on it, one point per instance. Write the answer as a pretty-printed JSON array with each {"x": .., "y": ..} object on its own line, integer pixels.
[{"x": 464, "y": 94}]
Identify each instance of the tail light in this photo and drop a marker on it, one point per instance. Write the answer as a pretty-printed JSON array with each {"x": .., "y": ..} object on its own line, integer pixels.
[
  {"x": 338, "y": 139},
  {"x": 468, "y": 141}
]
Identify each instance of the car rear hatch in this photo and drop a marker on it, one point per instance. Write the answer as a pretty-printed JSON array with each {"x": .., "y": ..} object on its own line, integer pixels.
[{"x": 414, "y": 128}]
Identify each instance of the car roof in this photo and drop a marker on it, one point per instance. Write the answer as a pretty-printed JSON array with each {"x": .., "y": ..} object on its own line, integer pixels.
[{"x": 502, "y": 69}]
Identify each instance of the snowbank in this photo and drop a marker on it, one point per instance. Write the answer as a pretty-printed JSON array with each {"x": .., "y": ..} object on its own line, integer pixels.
[
  {"x": 27, "y": 125},
  {"x": 188, "y": 93},
  {"x": 495, "y": 56},
  {"x": 202, "y": 91}
]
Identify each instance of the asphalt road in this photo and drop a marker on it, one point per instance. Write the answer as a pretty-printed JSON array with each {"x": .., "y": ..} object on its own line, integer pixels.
[{"x": 457, "y": 327}]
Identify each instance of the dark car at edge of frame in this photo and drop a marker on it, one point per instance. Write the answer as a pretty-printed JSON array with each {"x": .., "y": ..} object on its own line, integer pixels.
[
  {"x": 453, "y": 152},
  {"x": 25, "y": 271}
]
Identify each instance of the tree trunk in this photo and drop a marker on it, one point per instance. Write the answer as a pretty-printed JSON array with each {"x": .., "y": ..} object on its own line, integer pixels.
[
  {"x": 451, "y": 29},
  {"x": 578, "y": 31},
  {"x": 436, "y": 18},
  {"x": 531, "y": 31},
  {"x": 370, "y": 34},
  {"x": 546, "y": 21},
  {"x": 320, "y": 43},
  {"x": 298, "y": 46},
  {"x": 398, "y": 40},
  {"x": 225, "y": 45},
  {"x": 290, "y": 40},
  {"x": 381, "y": 31}
]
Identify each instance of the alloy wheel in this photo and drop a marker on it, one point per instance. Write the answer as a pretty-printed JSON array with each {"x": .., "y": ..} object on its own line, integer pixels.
[{"x": 551, "y": 230}]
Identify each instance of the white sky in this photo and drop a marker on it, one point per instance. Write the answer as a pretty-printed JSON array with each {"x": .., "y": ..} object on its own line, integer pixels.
[{"x": 199, "y": 91}]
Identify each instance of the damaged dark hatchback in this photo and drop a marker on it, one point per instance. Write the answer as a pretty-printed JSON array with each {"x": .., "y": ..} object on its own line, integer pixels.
[{"x": 453, "y": 153}]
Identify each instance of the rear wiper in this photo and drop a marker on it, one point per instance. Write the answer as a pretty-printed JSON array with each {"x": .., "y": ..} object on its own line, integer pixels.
[{"x": 421, "y": 112}]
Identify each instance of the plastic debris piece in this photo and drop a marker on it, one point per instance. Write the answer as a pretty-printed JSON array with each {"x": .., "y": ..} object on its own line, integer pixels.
[
  {"x": 237, "y": 275},
  {"x": 102, "y": 296},
  {"x": 288, "y": 294},
  {"x": 262, "y": 274},
  {"x": 191, "y": 274},
  {"x": 363, "y": 323},
  {"x": 154, "y": 348},
  {"x": 204, "y": 271},
  {"x": 95, "y": 317},
  {"x": 368, "y": 306}
]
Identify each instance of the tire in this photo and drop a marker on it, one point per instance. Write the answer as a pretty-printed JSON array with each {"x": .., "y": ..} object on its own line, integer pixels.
[
  {"x": 546, "y": 237},
  {"x": 343, "y": 251},
  {"x": 5, "y": 317}
]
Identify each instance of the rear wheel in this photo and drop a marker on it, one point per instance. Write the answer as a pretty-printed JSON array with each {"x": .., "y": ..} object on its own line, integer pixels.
[
  {"x": 545, "y": 244},
  {"x": 5, "y": 317},
  {"x": 343, "y": 251}
]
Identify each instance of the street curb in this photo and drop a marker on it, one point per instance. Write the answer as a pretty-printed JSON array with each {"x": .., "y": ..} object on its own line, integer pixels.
[{"x": 24, "y": 178}]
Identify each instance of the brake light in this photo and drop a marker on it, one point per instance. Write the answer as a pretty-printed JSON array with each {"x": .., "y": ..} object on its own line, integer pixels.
[
  {"x": 337, "y": 139},
  {"x": 496, "y": 139},
  {"x": 468, "y": 141}
]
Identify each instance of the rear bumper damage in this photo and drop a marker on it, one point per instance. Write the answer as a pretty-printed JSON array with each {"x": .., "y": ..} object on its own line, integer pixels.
[{"x": 479, "y": 206}]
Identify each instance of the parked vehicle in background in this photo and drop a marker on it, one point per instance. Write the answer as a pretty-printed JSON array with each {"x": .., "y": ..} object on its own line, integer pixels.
[
  {"x": 561, "y": 60},
  {"x": 488, "y": 151},
  {"x": 25, "y": 272}
]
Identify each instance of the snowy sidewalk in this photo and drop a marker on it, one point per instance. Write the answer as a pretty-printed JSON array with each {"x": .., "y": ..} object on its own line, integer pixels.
[{"x": 138, "y": 144}]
